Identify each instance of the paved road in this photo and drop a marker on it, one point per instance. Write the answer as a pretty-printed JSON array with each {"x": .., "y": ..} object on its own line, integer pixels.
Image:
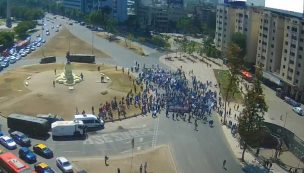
[{"x": 195, "y": 152}]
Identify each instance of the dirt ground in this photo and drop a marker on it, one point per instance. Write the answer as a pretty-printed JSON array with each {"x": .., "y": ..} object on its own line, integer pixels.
[
  {"x": 59, "y": 45},
  {"x": 136, "y": 49},
  {"x": 40, "y": 97},
  {"x": 158, "y": 160}
]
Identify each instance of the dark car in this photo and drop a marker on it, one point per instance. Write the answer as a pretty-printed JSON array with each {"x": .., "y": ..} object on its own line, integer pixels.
[
  {"x": 42, "y": 167},
  {"x": 43, "y": 150},
  {"x": 20, "y": 138},
  {"x": 27, "y": 155},
  {"x": 1, "y": 68}
]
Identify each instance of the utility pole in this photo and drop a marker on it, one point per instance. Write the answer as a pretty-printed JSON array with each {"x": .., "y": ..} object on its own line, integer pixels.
[{"x": 92, "y": 42}]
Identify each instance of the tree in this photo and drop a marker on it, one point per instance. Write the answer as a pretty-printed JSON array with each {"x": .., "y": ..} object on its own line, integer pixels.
[
  {"x": 235, "y": 64},
  {"x": 183, "y": 24},
  {"x": 22, "y": 28},
  {"x": 6, "y": 38},
  {"x": 240, "y": 40},
  {"x": 251, "y": 123}
]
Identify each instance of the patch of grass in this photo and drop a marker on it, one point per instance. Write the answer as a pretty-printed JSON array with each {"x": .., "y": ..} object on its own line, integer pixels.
[{"x": 223, "y": 77}]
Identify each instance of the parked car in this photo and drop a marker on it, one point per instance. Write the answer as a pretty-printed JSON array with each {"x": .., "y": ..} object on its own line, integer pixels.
[
  {"x": 47, "y": 33},
  {"x": 298, "y": 110},
  {"x": 20, "y": 138},
  {"x": 27, "y": 155},
  {"x": 4, "y": 64},
  {"x": 1, "y": 68},
  {"x": 42, "y": 167},
  {"x": 12, "y": 59},
  {"x": 8, "y": 142},
  {"x": 43, "y": 150},
  {"x": 64, "y": 165}
]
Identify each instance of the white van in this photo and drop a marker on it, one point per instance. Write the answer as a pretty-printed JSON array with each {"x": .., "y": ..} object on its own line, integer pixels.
[{"x": 90, "y": 120}]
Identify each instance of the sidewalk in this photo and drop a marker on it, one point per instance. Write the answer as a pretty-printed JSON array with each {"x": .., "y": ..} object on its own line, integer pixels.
[{"x": 204, "y": 73}]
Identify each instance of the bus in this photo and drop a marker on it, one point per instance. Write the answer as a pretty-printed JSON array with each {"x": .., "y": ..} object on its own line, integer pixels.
[
  {"x": 28, "y": 124},
  {"x": 10, "y": 163}
]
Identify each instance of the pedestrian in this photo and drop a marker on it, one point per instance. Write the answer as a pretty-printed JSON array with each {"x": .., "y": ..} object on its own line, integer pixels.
[
  {"x": 116, "y": 67},
  {"x": 195, "y": 124},
  {"x": 106, "y": 160},
  {"x": 118, "y": 170},
  {"x": 55, "y": 71},
  {"x": 54, "y": 83},
  {"x": 81, "y": 76},
  {"x": 93, "y": 110},
  {"x": 145, "y": 167},
  {"x": 140, "y": 168},
  {"x": 224, "y": 164},
  {"x": 98, "y": 68}
]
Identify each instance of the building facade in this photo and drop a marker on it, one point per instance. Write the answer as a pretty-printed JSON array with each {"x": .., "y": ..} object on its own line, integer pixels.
[
  {"x": 231, "y": 19},
  {"x": 119, "y": 7}
]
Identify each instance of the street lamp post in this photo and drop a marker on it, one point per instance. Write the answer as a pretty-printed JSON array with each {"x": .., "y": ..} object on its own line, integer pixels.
[{"x": 92, "y": 42}]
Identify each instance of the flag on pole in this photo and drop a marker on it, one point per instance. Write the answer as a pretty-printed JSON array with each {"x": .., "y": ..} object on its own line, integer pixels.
[{"x": 132, "y": 143}]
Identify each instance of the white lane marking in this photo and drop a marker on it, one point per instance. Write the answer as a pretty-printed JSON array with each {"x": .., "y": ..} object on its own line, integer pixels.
[
  {"x": 154, "y": 140},
  {"x": 171, "y": 158}
]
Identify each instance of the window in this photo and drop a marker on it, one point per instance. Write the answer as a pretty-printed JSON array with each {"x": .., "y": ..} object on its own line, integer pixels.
[
  {"x": 283, "y": 67},
  {"x": 288, "y": 27},
  {"x": 289, "y": 78},
  {"x": 290, "y": 70},
  {"x": 259, "y": 41},
  {"x": 298, "y": 73},
  {"x": 299, "y": 65},
  {"x": 300, "y": 56},
  {"x": 271, "y": 53},
  {"x": 286, "y": 43},
  {"x": 292, "y": 53},
  {"x": 293, "y": 45},
  {"x": 285, "y": 50},
  {"x": 272, "y": 46},
  {"x": 283, "y": 74},
  {"x": 293, "y": 29},
  {"x": 301, "y": 40},
  {"x": 284, "y": 58},
  {"x": 301, "y": 48},
  {"x": 291, "y": 62},
  {"x": 270, "y": 60},
  {"x": 297, "y": 81}
]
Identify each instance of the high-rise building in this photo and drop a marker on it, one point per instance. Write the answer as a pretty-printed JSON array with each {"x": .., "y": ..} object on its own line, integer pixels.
[
  {"x": 119, "y": 7},
  {"x": 234, "y": 18}
]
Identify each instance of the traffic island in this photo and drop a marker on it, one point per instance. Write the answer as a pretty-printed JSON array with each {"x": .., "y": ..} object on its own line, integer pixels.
[{"x": 32, "y": 90}]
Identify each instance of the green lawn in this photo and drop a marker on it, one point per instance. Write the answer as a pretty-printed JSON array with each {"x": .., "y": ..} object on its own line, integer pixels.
[{"x": 223, "y": 77}]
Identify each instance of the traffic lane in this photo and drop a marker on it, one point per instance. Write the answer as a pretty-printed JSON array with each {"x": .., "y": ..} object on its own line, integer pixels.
[
  {"x": 277, "y": 108},
  {"x": 195, "y": 151}
]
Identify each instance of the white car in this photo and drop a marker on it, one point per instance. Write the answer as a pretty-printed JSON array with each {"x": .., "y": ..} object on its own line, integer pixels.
[
  {"x": 64, "y": 164},
  {"x": 298, "y": 110},
  {"x": 8, "y": 142}
]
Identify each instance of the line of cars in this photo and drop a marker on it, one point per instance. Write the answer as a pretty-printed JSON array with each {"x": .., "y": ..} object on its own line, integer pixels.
[
  {"x": 29, "y": 156},
  {"x": 16, "y": 54}
]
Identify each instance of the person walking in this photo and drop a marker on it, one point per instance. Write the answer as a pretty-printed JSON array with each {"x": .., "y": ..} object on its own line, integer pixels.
[
  {"x": 106, "y": 160},
  {"x": 195, "y": 124},
  {"x": 224, "y": 164},
  {"x": 140, "y": 168},
  {"x": 55, "y": 71},
  {"x": 145, "y": 167},
  {"x": 118, "y": 170}
]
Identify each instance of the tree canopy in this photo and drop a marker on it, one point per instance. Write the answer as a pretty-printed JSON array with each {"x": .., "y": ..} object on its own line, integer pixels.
[
  {"x": 251, "y": 123},
  {"x": 240, "y": 40},
  {"x": 22, "y": 28},
  {"x": 6, "y": 38}
]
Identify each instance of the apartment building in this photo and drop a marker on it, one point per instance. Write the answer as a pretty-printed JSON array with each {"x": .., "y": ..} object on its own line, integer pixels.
[
  {"x": 119, "y": 7},
  {"x": 270, "y": 39},
  {"x": 234, "y": 18},
  {"x": 292, "y": 61}
]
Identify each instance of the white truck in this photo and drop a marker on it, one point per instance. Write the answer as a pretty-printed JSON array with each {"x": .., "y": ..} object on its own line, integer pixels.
[{"x": 68, "y": 128}]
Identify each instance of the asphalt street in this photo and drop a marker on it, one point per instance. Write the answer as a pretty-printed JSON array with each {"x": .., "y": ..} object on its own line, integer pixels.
[{"x": 193, "y": 151}]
